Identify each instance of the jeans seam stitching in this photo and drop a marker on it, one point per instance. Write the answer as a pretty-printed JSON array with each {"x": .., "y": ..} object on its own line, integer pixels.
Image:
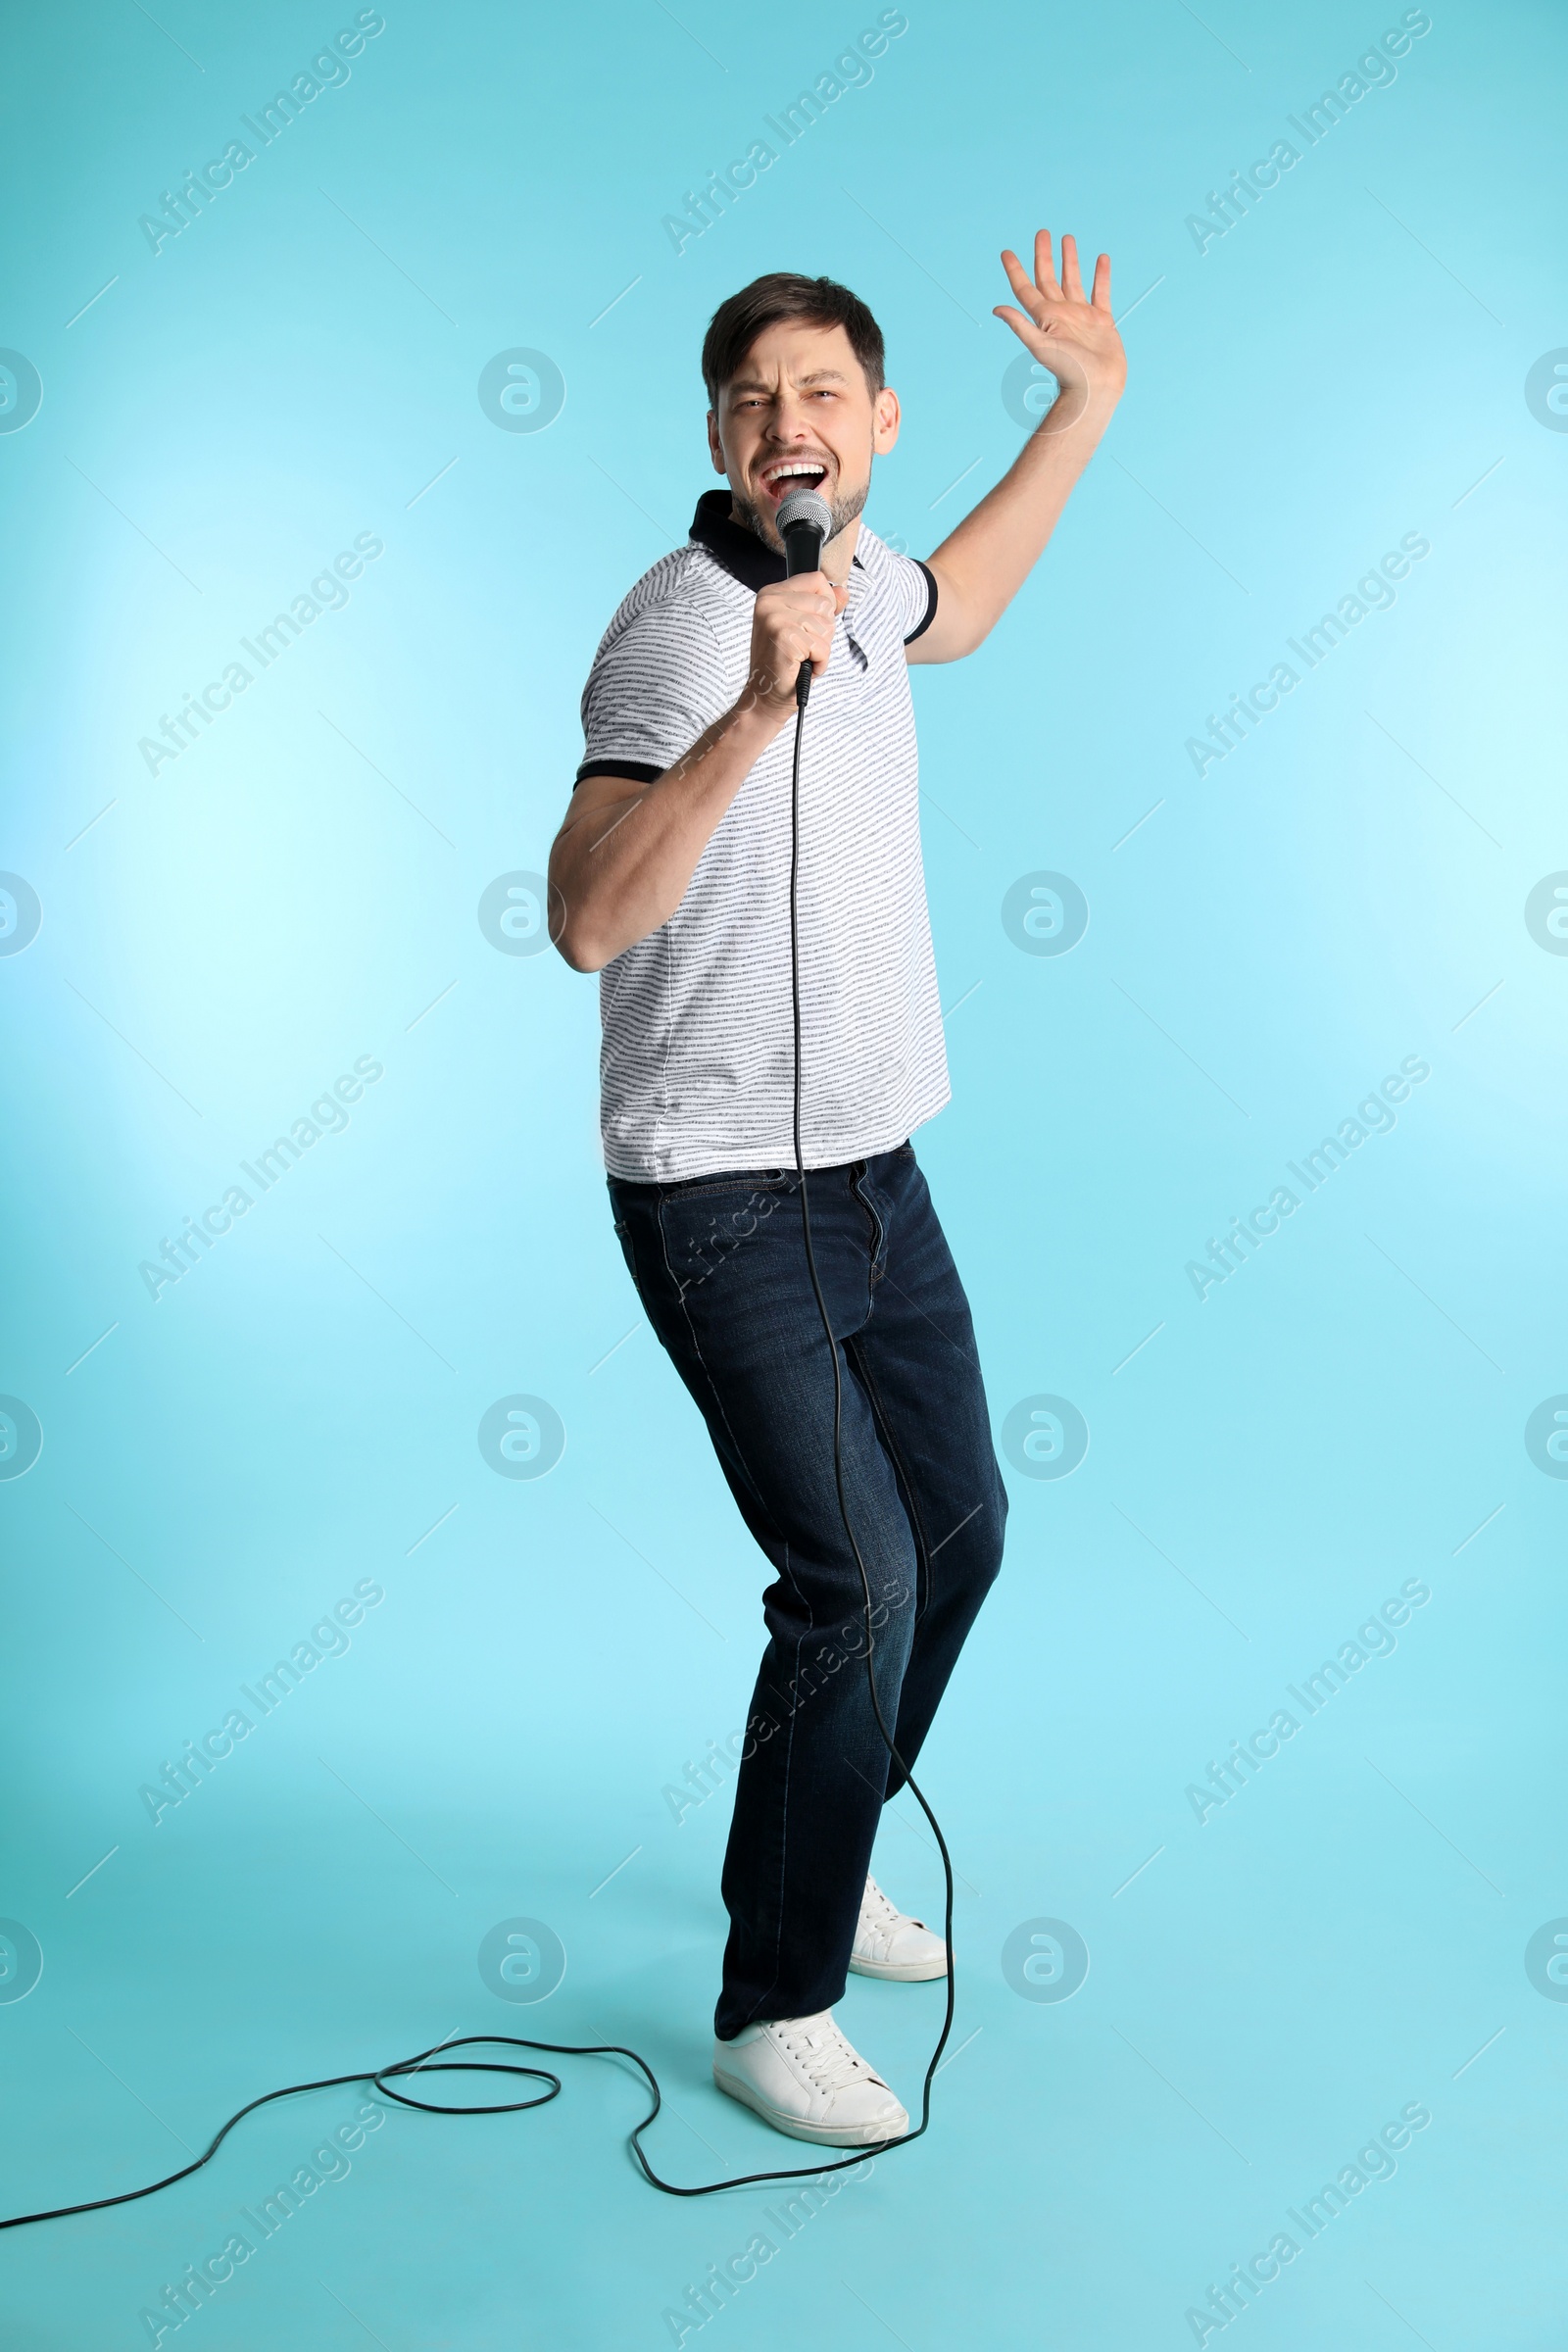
[
  {"x": 912, "y": 1508},
  {"x": 879, "y": 1234}
]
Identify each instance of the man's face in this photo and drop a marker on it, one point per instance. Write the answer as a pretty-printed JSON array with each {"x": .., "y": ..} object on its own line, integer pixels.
[{"x": 798, "y": 414}]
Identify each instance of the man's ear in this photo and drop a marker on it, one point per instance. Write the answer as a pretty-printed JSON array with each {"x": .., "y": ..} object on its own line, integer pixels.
[
  {"x": 715, "y": 448},
  {"x": 886, "y": 416}
]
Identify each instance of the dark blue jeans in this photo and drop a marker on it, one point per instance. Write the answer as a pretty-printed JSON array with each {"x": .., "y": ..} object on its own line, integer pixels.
[{"x": 720, "y": 1267}]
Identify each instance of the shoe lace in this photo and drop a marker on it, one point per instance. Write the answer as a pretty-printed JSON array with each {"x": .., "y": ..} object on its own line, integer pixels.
[
  {"x": 831, "y": 2062},
  {"x": 877, "y": 1912},
  {"x": 881, "y": 1921}
]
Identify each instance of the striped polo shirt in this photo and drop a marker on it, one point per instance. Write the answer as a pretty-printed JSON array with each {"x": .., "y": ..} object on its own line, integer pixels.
[{"x": 697, "y": 1061}]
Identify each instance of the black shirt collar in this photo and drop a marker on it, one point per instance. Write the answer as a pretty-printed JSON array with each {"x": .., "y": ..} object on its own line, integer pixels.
[
  {"x": 739, "y": 552},
  {"x": 742, "y": 554}
]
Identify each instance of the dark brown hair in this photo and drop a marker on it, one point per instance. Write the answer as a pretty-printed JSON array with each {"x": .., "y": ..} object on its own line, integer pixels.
[{"x": 816, "y": 301}]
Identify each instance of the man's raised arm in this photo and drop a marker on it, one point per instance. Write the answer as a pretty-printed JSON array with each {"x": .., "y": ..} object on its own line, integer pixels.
[{"x": 980, "y": 566}]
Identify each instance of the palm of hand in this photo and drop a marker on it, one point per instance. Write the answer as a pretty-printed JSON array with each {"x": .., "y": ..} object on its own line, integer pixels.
[{"x": 1072, "y": 334}]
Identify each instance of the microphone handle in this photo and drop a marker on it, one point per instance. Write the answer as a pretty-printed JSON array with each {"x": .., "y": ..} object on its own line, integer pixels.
[{"x": 803, "y": 552}]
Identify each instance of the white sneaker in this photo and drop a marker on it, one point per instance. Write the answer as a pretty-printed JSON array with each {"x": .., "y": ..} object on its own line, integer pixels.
[
  {"x": 888, "y": 1944},
  {"x": 801, "y": 2075}
]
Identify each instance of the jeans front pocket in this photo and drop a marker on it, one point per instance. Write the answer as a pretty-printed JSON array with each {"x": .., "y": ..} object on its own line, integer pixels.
[
  {"x": 743, "y": 1180},
  {"x": 706, "y": 1223}
]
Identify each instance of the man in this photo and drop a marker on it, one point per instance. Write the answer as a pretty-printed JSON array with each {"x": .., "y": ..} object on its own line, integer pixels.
[{"x": 670, "y": 877}]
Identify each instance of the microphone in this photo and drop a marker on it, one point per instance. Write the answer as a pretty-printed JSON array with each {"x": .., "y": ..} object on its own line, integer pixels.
[{"x": 804, "y": 525}]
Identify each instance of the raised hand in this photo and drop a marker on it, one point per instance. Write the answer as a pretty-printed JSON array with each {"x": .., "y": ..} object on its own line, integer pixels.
[{"x": 1073, "y": 336}]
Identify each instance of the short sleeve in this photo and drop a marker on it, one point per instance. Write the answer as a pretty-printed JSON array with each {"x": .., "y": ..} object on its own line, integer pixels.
[
  {"x": 655, "y": 684},
  {"x": 915, "y": 595}
]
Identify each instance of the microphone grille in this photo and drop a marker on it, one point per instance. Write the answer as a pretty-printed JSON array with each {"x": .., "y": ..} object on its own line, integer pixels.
[{"x": 809, "y": 507}]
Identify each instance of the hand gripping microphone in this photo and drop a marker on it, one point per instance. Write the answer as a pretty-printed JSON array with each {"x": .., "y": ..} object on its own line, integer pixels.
[{"x": 804, "y": 525}]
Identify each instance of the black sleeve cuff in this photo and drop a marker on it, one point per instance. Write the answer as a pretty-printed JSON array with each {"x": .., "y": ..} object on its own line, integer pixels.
[
  {"x": 637, "y": 769},
  {"x": 931, "y": 608}
]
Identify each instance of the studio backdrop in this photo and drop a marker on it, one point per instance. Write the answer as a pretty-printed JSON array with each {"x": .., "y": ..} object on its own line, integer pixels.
[{"x": 379, "y": 1629}]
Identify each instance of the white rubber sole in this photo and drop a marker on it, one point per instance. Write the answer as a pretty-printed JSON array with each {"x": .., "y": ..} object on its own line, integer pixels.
[
  {"x": 821, "y": 2135},
  {"x": 908, "y": 1972}
]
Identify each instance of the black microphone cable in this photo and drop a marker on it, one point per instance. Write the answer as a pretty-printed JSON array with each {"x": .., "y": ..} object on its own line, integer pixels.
[{"x": 433, "y": 2061}]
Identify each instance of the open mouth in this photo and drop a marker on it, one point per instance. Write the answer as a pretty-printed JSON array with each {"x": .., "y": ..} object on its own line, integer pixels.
[{"x": 796, "y": 473}]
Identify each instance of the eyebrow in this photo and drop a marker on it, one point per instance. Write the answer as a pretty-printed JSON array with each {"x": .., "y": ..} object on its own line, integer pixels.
[{"x": 819, "y": 375}]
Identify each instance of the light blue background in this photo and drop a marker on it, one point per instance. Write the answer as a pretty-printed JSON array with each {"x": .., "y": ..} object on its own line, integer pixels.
[{"x": 300, "y": 889}]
